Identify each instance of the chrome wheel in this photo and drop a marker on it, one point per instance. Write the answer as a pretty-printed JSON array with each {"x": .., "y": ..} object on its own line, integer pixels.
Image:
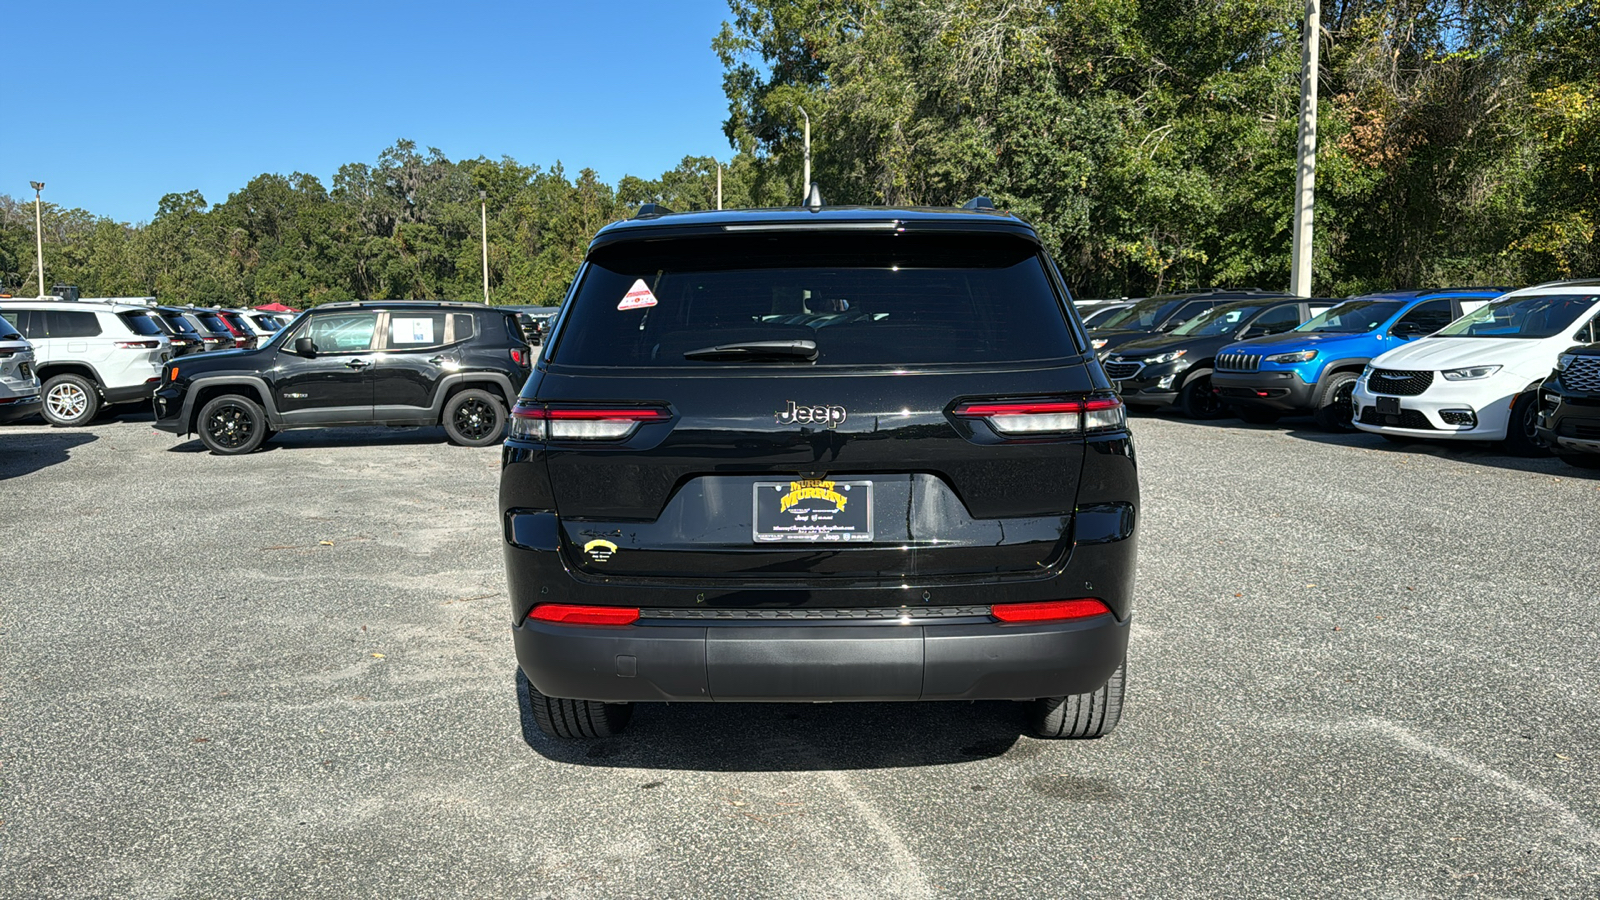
[{"x": 67, "y": 401}]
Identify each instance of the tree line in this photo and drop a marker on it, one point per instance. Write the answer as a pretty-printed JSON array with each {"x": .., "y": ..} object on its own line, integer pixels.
[{"x": 1150, "y": 141}]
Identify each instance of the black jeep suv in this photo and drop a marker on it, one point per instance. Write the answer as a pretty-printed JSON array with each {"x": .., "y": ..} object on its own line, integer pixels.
[
  {"x": 818, "y": 455},
  {"x": 369, "y": 363}
]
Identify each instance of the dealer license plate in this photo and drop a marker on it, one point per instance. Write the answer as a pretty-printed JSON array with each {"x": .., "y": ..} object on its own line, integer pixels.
[
  {"x": 813, "y": 510},
  {"x": 1388, "y": 406}
]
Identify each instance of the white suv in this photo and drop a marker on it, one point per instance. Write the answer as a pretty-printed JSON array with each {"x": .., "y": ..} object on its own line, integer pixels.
[
  {"x": 1477, "y": 378},
  {"x": 19, "y": 385},
  {"x": 90, "y": 353}
]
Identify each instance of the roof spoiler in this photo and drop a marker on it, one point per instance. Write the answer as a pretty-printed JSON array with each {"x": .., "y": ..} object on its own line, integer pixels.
[
  {"x": 978, "y": 203},
  {"x": 651, "y": 211}
]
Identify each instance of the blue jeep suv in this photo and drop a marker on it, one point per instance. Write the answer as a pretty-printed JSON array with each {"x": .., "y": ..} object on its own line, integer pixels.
[{"x": 1314, "y": 367}]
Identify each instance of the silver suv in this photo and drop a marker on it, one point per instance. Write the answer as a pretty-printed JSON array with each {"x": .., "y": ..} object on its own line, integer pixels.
[
  {"x": 90, "y": 354},
  {"x": 19, "y": 385}
]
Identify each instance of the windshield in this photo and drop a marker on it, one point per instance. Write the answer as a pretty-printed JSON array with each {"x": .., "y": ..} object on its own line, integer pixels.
[
  {"x": 861, "y": 300},
  {"x": 1094, "y": 318},
  {"x": 8, "y": 332},
  {"x": 1353, "y": 317},
  {"x": 1218, "y": 320},
  {"x": 1146, "y": 314},
  {"x": 1529, "y": 316}
]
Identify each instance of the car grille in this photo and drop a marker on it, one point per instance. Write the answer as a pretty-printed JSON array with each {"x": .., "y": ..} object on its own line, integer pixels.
[
  {"x": 1121, "y": 371},
  {"x": 1589, "y": 429},
  {"x": 1239, "y": 362},
  {"x": 789, "y": 615},
  {"x": 1582, "y": 374},
  {"x": 1409, "y": 418},
  {"x": 1396, "y": 383}
]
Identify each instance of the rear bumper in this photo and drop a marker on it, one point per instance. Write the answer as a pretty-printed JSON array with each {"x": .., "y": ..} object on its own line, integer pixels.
[
  {"x": 1271, "y": 390},
  {"x": 809, "y": 662}
]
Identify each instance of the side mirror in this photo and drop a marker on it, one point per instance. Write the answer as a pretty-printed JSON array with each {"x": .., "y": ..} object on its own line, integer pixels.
[{"x": 304, "y": 347}]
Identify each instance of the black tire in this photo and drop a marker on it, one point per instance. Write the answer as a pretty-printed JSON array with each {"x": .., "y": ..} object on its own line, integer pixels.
[
  {"x": 1335, "y": 409},
  {"x": 1521, "y": 439},
  {"x": 1197, "y": 401},
  {"x": 474, "y": 418},
  {"x": 70, "y": 400},
  {"x": 1257, "y": 415},
  {"x": 1081, "y": 716},
  {"x": 566, "y": 719},
  {"x": 1581, "y": 460},
  {"x": 231, "y": 425}
]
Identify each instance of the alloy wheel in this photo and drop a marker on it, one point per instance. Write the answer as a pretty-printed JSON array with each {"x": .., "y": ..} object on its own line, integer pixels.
[
  {"x": 67, "y": 401},
  {"x": 230, "y": 426},
  {"x": 474, "y": 419}
]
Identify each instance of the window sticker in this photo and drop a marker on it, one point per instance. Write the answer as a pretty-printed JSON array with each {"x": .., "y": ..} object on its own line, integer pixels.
[
  {"x": 411, "y": 331},
  {"x": 638, "y": 296}
]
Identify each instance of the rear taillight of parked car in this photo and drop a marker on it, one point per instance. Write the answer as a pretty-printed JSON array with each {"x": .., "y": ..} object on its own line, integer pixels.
[
  {"x": 1018, "y": 419},
  {"x": 138, "y": 345},
  {"x": 535, "y": 422}
]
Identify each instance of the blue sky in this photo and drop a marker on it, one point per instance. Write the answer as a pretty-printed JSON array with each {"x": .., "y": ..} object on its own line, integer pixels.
[{"x": 136, "y": 100}]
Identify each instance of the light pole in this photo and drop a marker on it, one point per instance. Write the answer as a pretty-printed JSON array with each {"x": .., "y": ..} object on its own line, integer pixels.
[
  {"x": 719, "y": 185},
  {"x": 38, "y": 232},
  {"x": 483, "y": 209},
  {"x": 805, "y": 186},
  {"x": 1305, "y": 173}
]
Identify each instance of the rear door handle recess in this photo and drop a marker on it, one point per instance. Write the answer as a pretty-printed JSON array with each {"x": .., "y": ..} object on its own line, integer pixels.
[
  {"x": 437, "y": 360},
  {"x": 357, "y": 364}
]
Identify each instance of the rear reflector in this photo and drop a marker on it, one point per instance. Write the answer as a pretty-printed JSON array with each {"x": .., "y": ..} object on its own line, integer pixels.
[
  {"x": 533, "y": 422},
  {"x": 1048, "y": 610},
  {"x": 1023, "y": 418},
  {"x": 584, "y": 615}
]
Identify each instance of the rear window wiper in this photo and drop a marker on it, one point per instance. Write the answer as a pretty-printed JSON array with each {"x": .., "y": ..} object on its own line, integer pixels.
[{"x": 801, "y": 350}]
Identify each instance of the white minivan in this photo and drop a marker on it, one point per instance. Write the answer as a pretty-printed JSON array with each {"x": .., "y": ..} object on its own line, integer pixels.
[
  {"x": 90, "y": 354},
  {"x": 1477, "y": 378}
]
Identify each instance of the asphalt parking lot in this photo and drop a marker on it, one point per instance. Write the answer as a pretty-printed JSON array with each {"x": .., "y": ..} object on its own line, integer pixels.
[{"x": 1357, "y": 670}]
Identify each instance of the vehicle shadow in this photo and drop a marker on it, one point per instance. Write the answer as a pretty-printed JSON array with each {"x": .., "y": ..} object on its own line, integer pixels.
[
  {"x": 802, "y": 737},
  {"x": 322, "y": 438},
  {"x": 24, "y": 454}
]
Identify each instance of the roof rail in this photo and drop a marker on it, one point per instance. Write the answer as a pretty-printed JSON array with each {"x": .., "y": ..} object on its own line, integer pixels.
[
  {"x": 978, "y": 203},
  {"x": 651, "y": 211}
]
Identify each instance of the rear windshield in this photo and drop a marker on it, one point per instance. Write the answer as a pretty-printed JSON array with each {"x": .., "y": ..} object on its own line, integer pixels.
[
  {"x": 1528, "y": 316},
  {"x": 213, "y": 322},
  {"x": 178, "y": 323},
  {"x": 863, "y": 299},
  {"x": 141, "y": 323},
  {"x": 267, "y": 323},
  {"x": 1353, "y": 317}
]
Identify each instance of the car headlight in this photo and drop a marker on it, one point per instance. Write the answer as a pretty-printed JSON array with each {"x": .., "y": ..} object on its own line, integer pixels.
[
  {"x": 1167, "y": 357},
  {"x": 1470, "y": 373},
  {"x": 1097, "y": 343},
  {"x": 1298, "y": 357},
  {"x": 1565, "y": 360}
]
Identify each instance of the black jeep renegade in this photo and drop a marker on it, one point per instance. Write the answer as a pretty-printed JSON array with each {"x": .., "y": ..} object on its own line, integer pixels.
[
  {"x": 818, "y": 455},
  {"x": 369, "y": 363}
]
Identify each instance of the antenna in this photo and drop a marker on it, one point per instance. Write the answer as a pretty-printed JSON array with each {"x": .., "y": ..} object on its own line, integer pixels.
[{"x": 814, "y": 198}]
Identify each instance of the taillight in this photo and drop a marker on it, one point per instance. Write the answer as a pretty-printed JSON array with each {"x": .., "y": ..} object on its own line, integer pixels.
[
  {"x": 533, "y": 422},
  {"x": 519, "y": 356},
  {"x": 1026, "y": 418},
  {"x": 1048, "y": 610},
  {"x": 564, "y": 614},
  {"x": 138, "y": 345}
]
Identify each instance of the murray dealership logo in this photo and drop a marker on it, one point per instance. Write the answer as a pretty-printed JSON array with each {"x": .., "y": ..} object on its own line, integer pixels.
[{"x": 831, "y": 416}]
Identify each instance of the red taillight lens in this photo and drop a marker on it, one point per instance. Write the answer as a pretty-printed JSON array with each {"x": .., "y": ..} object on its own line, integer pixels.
[
  {"x": 1048, "y": 610},
  {"x": 138, "y": 345},
  {"x": 564, "y": 614},
  {"x": 519, "y": 356},
  {"x": 533, "y": 422},
  {"x": 1025, "y": 418}
]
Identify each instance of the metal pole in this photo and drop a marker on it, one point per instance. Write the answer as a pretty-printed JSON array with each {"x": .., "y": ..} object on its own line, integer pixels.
[
  {"x": 483, "y": 208},
  {"x": 38, "y": 232},
  {"x": 1305, "y": 175},
  {"x": 805, "y": 185},
  {"x": 719, "y": 185}
]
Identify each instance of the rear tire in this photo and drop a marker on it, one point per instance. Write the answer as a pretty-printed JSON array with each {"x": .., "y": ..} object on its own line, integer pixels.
[
  {"x": 1335, "y": 410},
  {"x": 70, "y": 400},
  {"x": 1256, "y": 415},
  {"x": 1081, "y": 716},
  {"x": 1521, "y": 439},
  {"x": 474, "y": 418},
  {"x": 566, "y": 719},
  {"x": 1196, "y": 400},
  {"x": 231, "y": 425}
]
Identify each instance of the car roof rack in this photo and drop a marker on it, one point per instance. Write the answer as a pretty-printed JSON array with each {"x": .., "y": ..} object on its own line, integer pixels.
[
  {"x": 651, "y": 211},
  {"x": 979, "y": 202}
]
